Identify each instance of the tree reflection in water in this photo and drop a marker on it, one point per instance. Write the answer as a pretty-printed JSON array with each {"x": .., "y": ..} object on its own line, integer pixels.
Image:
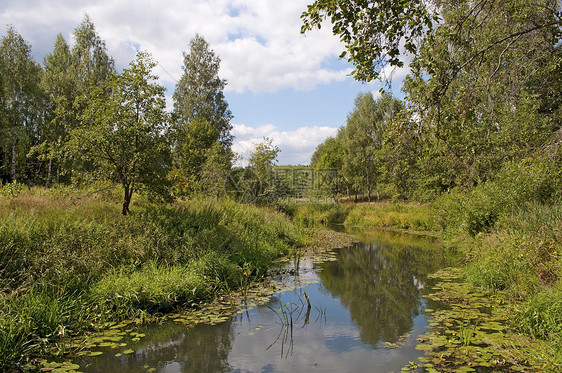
[
  {"x": 370, "y": 295},
  {"x": 379, "y": 283},
  {"x": 171, "y": 349}
]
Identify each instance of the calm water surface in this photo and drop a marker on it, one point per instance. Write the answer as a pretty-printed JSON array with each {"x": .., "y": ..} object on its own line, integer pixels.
[{"x": 365, "y": 314}]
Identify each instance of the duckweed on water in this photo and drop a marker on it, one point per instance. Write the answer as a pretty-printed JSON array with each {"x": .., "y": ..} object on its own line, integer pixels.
[{"x": 472, "y": 332}]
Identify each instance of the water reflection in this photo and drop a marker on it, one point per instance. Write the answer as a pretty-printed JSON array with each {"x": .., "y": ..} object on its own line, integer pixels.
[
  {"x": 170, "y": 348},
  {"x": 379, "y": 282},
  {"x": 370, "y": 295}
]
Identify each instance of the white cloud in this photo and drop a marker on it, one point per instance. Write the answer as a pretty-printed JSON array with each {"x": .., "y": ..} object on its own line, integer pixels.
[
  {"x": 242, "y": 131},
  {"x": 259, "y": 42},
  {"x": 296, "y": 146}
]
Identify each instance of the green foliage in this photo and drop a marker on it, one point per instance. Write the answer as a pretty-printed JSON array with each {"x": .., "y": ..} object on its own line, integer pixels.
[
  {"x": 541, "y": 315},
  {"x": 199, "y": 93},
  {"x": 482, "y": 91},
  {"x": 123, "y": 129},
  {"x": 372, "y": 31},
  {"x": 261, "y": 162},
  {"x": 90, "y": 61},
  {"x": 475, "y": 330},
  {"x": 31, "y": 320},
  {"x": 501, "y": 269},
  {"x": 361, "y": 142},
  {"x": 398, "y": 154},
  {"x": 21, "y": 105},
  {"x": 478, "y": 210},
  {"x": 330, "y": 153},
  {"x": 392, "y": 215},
  {"x": 314, "y": 214},
  {"x": 364, "y": 135},
  {"x": 201, "y": 161},
  {"x": 522, "y": 252},
  {"x": 153, "y": 288},
  {"x": 11, "y": 189},
  {"x": 201, "y": 136}
]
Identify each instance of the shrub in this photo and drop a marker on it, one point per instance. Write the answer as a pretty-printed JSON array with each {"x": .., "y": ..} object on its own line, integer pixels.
[
  {"x": 315, "y": 214},
  {"x": 516, "y": 184}
]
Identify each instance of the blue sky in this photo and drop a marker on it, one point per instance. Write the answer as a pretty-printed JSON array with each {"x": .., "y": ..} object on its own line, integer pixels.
[{"x": 281, "y": 84}]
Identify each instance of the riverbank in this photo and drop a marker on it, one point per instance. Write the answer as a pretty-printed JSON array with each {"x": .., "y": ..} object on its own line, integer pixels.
[
  {"x": 70, "y": 262},
  {"x": 511, "y": 252}
]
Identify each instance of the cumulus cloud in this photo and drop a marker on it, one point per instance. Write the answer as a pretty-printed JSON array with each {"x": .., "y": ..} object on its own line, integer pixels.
[
  {"x": 296, "y": 145},
  {"x": 259, "y": 42}
]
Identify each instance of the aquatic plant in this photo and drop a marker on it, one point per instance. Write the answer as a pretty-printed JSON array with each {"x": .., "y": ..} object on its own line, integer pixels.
[{"x": 472, "y": 330}]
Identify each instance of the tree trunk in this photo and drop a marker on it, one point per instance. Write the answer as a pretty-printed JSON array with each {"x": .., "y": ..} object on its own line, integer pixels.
[
  {"x": 126, "y": 198},
  {"x": 49, "y": 167},
  {"x": 368, "y": 188},
  {"x": 126, "y": 203},
  {"x": 14, "y": 179}
]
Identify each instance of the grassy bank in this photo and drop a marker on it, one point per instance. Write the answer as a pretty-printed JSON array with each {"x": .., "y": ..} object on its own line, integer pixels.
[
  {"x": 314, "y": 214},
  {"x": 69, "y": 263},
  {"x": 393, "y": 215},
  {"x": 384, "y": 214},
  {"x": 509, "y": 231},
  {"x": 518, "y": 258}
]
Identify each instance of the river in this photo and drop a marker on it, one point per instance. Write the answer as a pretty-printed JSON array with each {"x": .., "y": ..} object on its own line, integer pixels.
[{"x": 359, "y": 312}]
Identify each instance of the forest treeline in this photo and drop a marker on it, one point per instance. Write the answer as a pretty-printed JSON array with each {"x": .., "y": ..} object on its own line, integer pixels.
[
  {"x": 75, "y": 119},
  {"x": 483, "y": 95}
]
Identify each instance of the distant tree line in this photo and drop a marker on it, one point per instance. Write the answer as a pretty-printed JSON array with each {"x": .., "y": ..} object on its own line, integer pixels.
[
  {"x": 74, "y": 119},
  {"x": 484, "y": 92}
]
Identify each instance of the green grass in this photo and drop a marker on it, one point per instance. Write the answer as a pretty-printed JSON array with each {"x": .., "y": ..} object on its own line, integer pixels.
[
  {"x": 509, "y": 231},
  {"x": 154, "y": 288},
  {"x": 411, "y": 216},
  {"x": 541, "y": 314},
  {"x": 68, "y": 261},
  {"x": 315, "y": 214}
]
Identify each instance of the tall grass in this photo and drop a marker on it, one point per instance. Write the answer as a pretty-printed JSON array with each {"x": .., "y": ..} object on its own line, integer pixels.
[
  {"x": 541, "y": 315},
  {"x": 67, "y": 262},
  {"x": 315, "y": 213},
  {"x": 510, "y": 231},
  {"x": 393, "y": 215},
  {"x": 522, "y": 253}
]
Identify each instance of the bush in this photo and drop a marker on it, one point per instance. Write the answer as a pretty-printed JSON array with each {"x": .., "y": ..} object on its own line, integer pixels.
[
  {"x": 314, "y": 214},
  {"x": 516, "y": 184}
]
